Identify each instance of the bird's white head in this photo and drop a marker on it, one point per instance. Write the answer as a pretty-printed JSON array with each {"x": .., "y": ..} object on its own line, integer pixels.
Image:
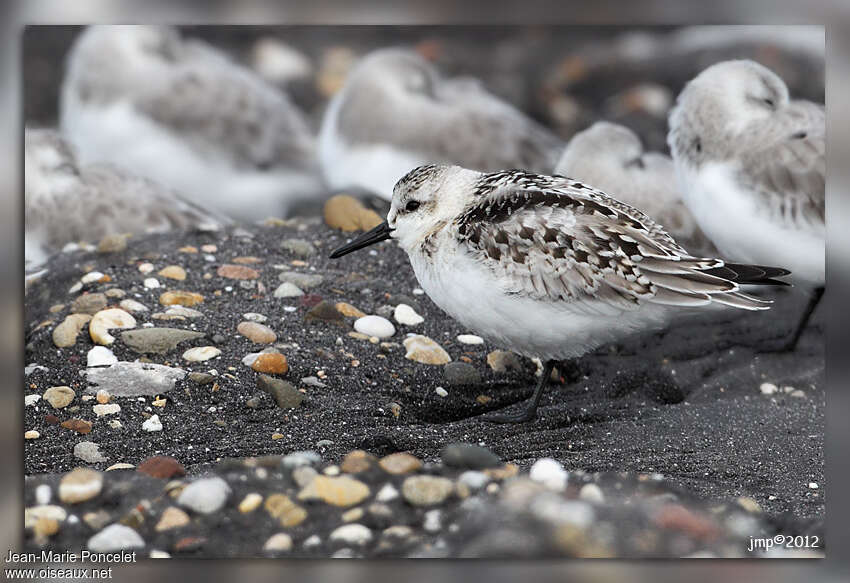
[
  {"x": 719, "y": 103},
  {"x": 600, "y": 142},
  {"x": 49, "y": 163}
]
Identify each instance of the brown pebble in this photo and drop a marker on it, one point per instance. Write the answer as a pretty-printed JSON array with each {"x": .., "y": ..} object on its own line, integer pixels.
[
  {"x": 173, "y": 272},
  {"x": 325, "y": 312},
  {"x": 348, "y": 214},
  {"x": 78, "y": 425},
  {"x": 400, "y": 463},
  {"x": 51, "y": 419},
  {"x": 357, "y": 461},
  {"x": 189, "y": 543},
  {"x": 348, "y": 310},
  {"x": 188, "y": 249},
  {"x": 90, "y": 304},
  {"x": 65, "y": 334},
  {"x": 281, "y": 507},
  {"x": 237, "y": 272},
  {"x": 256, "y": 332},
  {"x": 112, "y": 244},
  {"x": 247, "y": 260},
  {"x": 182, "y": 298},
  {"x": 162, "y": 466},
  {"x": 274, "y": 363}
]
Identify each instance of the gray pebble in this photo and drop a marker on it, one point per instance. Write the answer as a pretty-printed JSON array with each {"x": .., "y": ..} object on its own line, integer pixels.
[{"x": 461, "y": 373}]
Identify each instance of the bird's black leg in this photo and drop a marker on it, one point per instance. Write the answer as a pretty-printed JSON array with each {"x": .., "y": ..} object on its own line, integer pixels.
[
  {"x": 791, "y": 344},
  {"x": 530, "y": 412}
]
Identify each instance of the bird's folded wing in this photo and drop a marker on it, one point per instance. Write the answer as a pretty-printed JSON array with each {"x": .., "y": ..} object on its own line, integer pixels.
[{"x": 566, "y": 242}]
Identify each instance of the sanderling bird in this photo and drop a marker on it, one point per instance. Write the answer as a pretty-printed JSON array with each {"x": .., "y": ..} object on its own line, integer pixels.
[
  {"x": 65, "y": 202},
  {"x": 181, "y": 112},
  {"x": 611, "y": 158},
  {"x": 396, "y": 112},
  {"x": 751, "y": 167},
  {"x": 547, "y": 266}
]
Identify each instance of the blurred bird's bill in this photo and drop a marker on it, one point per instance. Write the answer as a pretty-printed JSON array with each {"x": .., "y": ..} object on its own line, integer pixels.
[{"x": 380, "y": 233}]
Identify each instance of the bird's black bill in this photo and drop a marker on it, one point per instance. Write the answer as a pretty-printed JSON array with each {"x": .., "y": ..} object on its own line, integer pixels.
[{"x": 376, "y": 235}]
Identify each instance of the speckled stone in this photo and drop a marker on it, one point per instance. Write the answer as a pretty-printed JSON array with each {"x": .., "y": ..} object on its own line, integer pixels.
[
  {"x": 400, "y": 463},
  {"x": 426, "y": 490},
  {"x": 79, "y": 485},
  {"x": 256, "y": 333},
  {"x": 336, "y": 490},
  {"x": 282, "y": 508}
]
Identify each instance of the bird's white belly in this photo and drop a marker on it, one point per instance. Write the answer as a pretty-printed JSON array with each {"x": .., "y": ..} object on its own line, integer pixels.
[
  {"x": 744, "y": 233},
  {"x": 546, "y": 329}
]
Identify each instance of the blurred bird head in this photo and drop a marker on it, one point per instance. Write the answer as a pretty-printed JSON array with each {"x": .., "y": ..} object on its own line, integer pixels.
[
  {"x": 49, "y": 163},
  {"x": 602, "y": 142},
  {"x": 398, "y": 71}
]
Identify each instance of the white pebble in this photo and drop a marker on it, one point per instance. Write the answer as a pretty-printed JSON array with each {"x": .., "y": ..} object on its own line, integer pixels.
[
  {"x": 288, "y": 290},
  {"x": 91, "y": 277},
  {"x": 433, "y": 520},
  {"x": 100, "y": 356},
  {"x": 115, "y": 537},
  {"x": 31, "y": 400},
  {"x": 352, "y": 534},
  {"x": 201, "y": 353},
  {"x": 767, "y": 388},
  {"x": 441, "y": 391},
  {"x": 278, "y": 542},
  {"x": 132, "y": 306},
  {"x": 151, "y": 283},
  {"x": 43, "y": 494},
  {"x": 106, "y": 409},
  {"x": 406, "y": 315},
  {"x": 591, "y": 493},
  {"x": 813, "y": 485},
  {"x": 550, "y": 473},
  {"x": 387, "y": 493},
  {"x": 313, "y": 540},
  {"x": 374, "y": 326},
  {"x": 249, "y": 358},
  {"x": 146, "y": 267},
  {"x": 206, "y": 496},
  {"x": 470, "y": 339},
  {"x": 254, "y": 317},
  {"x": 418, "y": 291},
  {"x": 152, "y": 424}
]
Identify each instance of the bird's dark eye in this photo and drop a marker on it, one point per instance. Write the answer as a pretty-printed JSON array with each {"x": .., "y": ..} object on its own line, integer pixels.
[
  {"x": 768, "y": 102},
  {"x": 698, "y": 145},
  {"x": 411, "y": 205}
]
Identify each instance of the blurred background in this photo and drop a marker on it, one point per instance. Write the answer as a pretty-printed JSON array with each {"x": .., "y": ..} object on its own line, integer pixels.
[{"x": 564, "y": 76}]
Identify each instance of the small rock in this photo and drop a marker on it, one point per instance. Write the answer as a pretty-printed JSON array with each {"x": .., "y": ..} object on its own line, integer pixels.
[
  {"x": 256, "y": 333},
  {"x": 43, "y": 493},
  {"x": 288, "y": 290},
  {"x": 298, "y": 247},
  {"x": 303, "y": 475},
  {"x": 88, "y": 452},
  {"x": 201, "y": 378},
  {"x": 469, "y": 456},
  {"x": 287, "y": 512},
  {"x": 93, "y": 276},
  {"x": 280, "y": 542},
  {"x": 461, "y": 373},
  {"x": 151, "y": 283},
  {"x": 201, "y": 353},
  {"x": 250, "y": 503},
  {"x": 157, "y": 340},
  {"x": 433, "y": 520},
  {"x": 357, "y": 461},
  {"x": 173, "y": 272},
  {"x": 352, "y": 534},
  {"x": 103, "y": 397},
  {"x": 79, "y": 425},
  {"x": 374, "y": 326},
  {"x": 108, "y": 409},
  {"x": 31, "y": 434},
  {"x": 550, "y": 473},
  {"x": 301, "y": 458},
  {"x": 348, "y": 310},
  {"x": 115, "y": 537},
  {"x": 591, "y": 493},
  {"x": 387, "y": 493},
  {"x": 181, "y": 298},
  {"x": 113, "y": 244},
  {"x": 272, "y": 363},
  {"x": 133, "y": 379},
  {"x": 768, "y": 388},
  {"x": 503, "y": 361},
  {"x": 423, "y": 349},
  {"x": 205, "y": 496},
  {"x": 338, "y": 490},
  {"x": 59, "y": 397},
  {"x": 348, "y": 214},
  {"x": 441, "y": 392},
  {"x": 471, "y": 339},
  {"x": 65, "y": 334},
  {"x": 100, "y": 356},
  {"x": 474, "y": 480},
  {"x": 813, "y": 486},
  {"x": 285, "y": 395},
  {"x": 120, "y": 466},
  {"x": 254, "y": 317},
  {"x": 162, "y": 466},
  {"x": 302, "y": 280},
  {"x": 325, "y": 312},
  {"x": 35, "y": 513},
  {"x": 31, "y": 400},
  {"x": 400, "y": 463},
  {"x": 89, "y": 304},
  {"x": 145, "y": 267},
  {"x": 352, "y": 515},
  {"x": 426, "y": 490},
  {"x": 106, "y": 320},
  {"x": 172, "y": 517},
  {"x": 229, "y": 271},
  {"x": 152, "y": 424},
  {"x": 406, "y": 315}
]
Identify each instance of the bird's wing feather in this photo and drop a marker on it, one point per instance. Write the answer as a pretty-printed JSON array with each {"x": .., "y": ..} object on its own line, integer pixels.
[
  {"x": 554, "y": 239},
  {"x": 785, "y": 162}
]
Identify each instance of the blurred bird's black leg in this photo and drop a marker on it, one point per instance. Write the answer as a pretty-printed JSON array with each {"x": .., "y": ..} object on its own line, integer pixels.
[
  {"x": 791, "y": 344},
  {"x": 530, "y": 412}
]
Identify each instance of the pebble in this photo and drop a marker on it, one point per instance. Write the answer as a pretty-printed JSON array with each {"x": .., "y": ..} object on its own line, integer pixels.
[
  {"x": 152, "y": 424},
  {"x": 280, "y": 542},
  {"x": 357, "y": 461},
  {"x": 311, "y": 541},
  {"x": 406, "y": 315},
  {"x": 204, "y": 496},
  {"x": 100, "y": 356},
  {"x": 157, "y": 340},
  {"x": 374, "y": 326},
  {"x": 271, "y": 362},
  {"x": 461, "y": 373},
  {"x": 173, "y": 272},
  {"x": 302, "y": 280},
  {"x": 103, "y": 397},
  {"x": 30, "y": 400},
  {"x": 201, "y": 378},
  {"x": 352, "y": 515},
  {"x": 387, "y": 493},
  {"x": 256, "y": 333},
  {"x": 298, "y": 247},
  {"x": 288, "y": 290},
  {"x": 201, "y": 353},
  {"x": 162, "y": 466},
  {"x": 120, "y": 466},
  {"x": 134, "y": 379},
  {"x": 352, "y": 534},
  {"x": 109, "y": 409},
  {"x": 287, "y": 512},
  {"x": 591, "y": 493},
  {"x": 106, "y": 320},
  {"x": 35, "y": 513},
  {"x": 254, "y": 317},
  {"x": 303, "y": 475},
  {"x": 423, "y": 349},
  {"x": 768, "y": 388},
  {"x": 441, "y": 392},
  {"x": 471, "y": 339},
  {"x": 284, "y": 393},
  {"x": 43, "y": 493},
  {"x": 336, "y": 490},
  {"x": 426, "y": 490},
  {"x": 172, "y": 517},
  {"x": 150, "y": 283},
  {"x": 145, "y": 267},
  {"x": 301, "y": 458},
  {"x": 325, "y": 312},
  {"x": 813, "y": 486},
  {"x": 432, "y": 520},
  {"x": 89, "y": 452},
  {"x": 113, "y": 243},
  {"x": 400, "y": 463},
  {"x": 313, "y": 382},
  {"x": 250, "y": 503},
  {"x": 230, "y": 271},
  {"x": 115, "y": 537},
  {"x": 469, "y": 456},
  {"x": 348, "y": 310},
  {"x": 348, "y": 214},
  {"x": 89, "y": 304},
  {"x": 59, "y": 397},
  {"x": 133, "y": 306},
  {"x": 503, "y": 361},
  {"x": 550, "y": 473},
  {"x": 31, "y": 434},
  {"x": 92, "y": 277},
  {"x": 181, "y": 298},
  {"x": 65, "y": 334},
  {"x": 474, "y": 480}
]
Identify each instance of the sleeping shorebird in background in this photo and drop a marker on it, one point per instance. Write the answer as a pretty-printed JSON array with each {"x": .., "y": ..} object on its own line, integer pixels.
[
  {"x": 611, "y": 158},
  {"x": 397, "y": 112},
  {"x": 547, "y": 266},
  {"x": 751, "y": 165},
  {"x": 65, "y": 202},
  {"x": 182, "y": 113}
]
